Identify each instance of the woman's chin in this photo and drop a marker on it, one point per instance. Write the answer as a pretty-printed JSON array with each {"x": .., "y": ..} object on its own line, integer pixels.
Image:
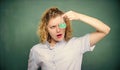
[{"x": 59, "y": 39}]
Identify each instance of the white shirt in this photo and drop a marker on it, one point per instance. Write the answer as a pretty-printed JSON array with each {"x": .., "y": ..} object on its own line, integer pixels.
[{"x": 64, "y": 56}]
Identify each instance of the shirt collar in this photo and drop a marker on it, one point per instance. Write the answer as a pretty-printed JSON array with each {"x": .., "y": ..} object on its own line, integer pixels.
[{"x": 56, "y": 45}]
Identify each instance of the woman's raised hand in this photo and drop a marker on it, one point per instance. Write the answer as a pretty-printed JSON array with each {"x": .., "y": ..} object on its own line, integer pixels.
[{"x": 71, "y": 15}]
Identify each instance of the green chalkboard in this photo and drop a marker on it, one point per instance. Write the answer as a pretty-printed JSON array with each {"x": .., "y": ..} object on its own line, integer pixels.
[{"x": 19, "y": 20}]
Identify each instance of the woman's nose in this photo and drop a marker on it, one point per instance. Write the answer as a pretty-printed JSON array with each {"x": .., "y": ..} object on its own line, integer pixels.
[{"x": 57, "y": 29}]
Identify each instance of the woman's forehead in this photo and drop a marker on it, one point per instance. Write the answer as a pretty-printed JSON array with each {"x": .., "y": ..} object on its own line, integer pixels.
[{"x": 56, "y": 20}]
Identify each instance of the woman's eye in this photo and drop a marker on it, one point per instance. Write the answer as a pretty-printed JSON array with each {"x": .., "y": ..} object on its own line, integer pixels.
[{"x": 52, "y": 27}]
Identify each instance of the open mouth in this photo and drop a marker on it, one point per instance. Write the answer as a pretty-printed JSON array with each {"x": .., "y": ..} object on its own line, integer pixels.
[{"x": 59, "y": 35}]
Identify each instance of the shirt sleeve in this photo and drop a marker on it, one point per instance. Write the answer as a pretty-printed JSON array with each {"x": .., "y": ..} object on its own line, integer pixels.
[
  {"x": 83, "y": 43},
  {"x": 33, "y": 61}
]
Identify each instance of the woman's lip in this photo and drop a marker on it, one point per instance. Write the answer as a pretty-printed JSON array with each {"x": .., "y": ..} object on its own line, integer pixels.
[{"x": 59, "y": 35}]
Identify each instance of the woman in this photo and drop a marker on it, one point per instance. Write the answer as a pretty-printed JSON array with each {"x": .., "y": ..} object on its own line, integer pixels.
[{"x": 58, "y": 50}]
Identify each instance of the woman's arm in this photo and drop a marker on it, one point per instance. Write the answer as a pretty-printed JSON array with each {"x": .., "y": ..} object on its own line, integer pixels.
[{"x": 101, "y": 29}]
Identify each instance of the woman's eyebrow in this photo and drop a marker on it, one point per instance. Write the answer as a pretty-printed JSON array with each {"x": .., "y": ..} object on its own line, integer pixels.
[{"x": 52, "y": 25}]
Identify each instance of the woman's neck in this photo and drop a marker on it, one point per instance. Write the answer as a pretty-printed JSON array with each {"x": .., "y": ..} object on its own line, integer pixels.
[{"x": 52, "y": 43}]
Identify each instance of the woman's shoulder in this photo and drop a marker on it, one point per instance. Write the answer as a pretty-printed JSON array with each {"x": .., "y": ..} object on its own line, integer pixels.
[
  {"x": 37, "y": 46},
  {"x": 75, "y": 38}
]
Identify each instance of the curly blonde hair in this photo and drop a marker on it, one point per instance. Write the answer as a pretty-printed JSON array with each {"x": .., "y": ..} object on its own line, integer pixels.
[{"x": 42, "y": 29}]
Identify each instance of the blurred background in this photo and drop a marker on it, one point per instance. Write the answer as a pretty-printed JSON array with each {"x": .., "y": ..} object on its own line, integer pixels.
[{"x": 19, "y": 21}]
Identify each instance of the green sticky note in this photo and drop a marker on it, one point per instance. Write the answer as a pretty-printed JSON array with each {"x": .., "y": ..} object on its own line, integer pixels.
[{"x": 62, "y": 25}]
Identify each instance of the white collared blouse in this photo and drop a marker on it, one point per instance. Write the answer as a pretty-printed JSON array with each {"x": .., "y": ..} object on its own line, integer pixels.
[{"x": 64, "y": 55}]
